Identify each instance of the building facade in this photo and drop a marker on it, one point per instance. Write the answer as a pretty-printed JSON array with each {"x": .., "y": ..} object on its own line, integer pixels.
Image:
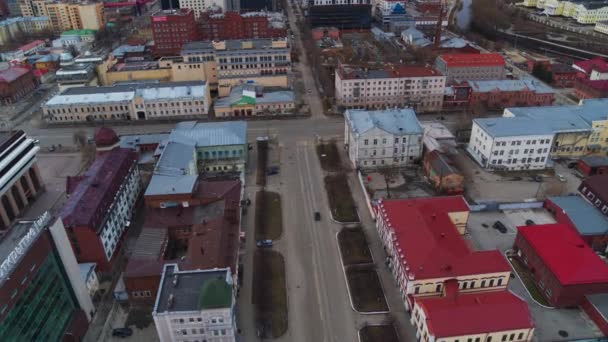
[
  {"x": 342, "y": 14},
  {"x": 252, "y": 100},
  {"x": 42, "y": 298},
  {"x": 20, "y": 180},
  {"x": 171, "y": 29},
  {"x": 382, "y": 138},
  {"x": 426, "y": 252},
  {"x": 99, "y": 208},
  {"x": 195, "y": 305},
  {"x": 198, "y": 6},
  {"x": 12, "y": 28},
  {"x": 471, "y": 66},
  {"x": 66, "y": 16},
  {"x": 582, "y": 12},
  {"x": 144, "y": 101},
  {"x": 594, "y": 189},
  {"x": 593, "y": 165},
  {"x": 421, "y": 88},
  {"x": 234, "y": 25},
  {"x": 15, "y": 83},
  {"x": 498, "y": 95}
]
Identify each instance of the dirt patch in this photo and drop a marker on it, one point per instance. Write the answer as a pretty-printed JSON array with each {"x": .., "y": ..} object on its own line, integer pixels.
[
  {"x": 341, "y": 201},
  {"x": 329, "y": 156},
  {"x": 528, "y": 281},
  {"x": 365, "y": 289},
  {"x": 262, "y": 162},
  {"x": 269, "y": 293},
  {"x": 378, "y": 333},
  {"x": 353, "y": 247},
  {"x": 268, "y": 215}
]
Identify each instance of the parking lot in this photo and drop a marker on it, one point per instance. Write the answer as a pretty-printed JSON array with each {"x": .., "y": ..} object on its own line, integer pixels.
[{"x": 548, "y": 321}]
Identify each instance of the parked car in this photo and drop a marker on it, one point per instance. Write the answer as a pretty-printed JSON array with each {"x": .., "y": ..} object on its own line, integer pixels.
[
  {"x": 264, "y": 243},
  {"x": 537, "y": 178},
  {"x": 530, "y": 222},
  {"x": 272, "y": 170},
  {"x": 122, "y": 332},
  {"x": 561, "y": 178},
  {"x": 317, "y": 216},
  {"x": 500, "y": 227}
]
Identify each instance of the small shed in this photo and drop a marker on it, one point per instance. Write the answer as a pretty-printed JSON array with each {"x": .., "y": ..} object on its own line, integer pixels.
[{"x": 592, "y": 165}]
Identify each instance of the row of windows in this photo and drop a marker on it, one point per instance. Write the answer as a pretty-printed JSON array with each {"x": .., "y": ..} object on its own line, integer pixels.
[
  {"x": 523, "y": 160},
  {"x": 396, "y": 160},
  {"x": 68, "y": 110},
  {"x": 525, "y": 151},
  {"x": 396, "y": 81},
  {"x": 519, "y": 142},
  {"x": 385, "y": 140},
  {"x": 141, "y": 294},
  {"x": 505, "y": 337}
]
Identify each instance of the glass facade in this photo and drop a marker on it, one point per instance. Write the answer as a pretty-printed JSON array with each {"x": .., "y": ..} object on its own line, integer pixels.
[{"x": 45, "y": 307}]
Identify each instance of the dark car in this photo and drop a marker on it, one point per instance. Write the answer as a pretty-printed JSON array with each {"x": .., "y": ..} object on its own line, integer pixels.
[
  {"x": 122, "y": 332},
  {"x": 272, "y": 170},
  {"x": 530, "y": 222},
  {"x": 264, "y": 243},
  {"x": 317, "y": 216},
  {"x": 500, "y": 227}
]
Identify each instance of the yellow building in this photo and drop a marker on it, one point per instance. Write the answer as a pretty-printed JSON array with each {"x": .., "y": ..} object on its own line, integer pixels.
[
  {"x": 66, "y": 16},
  {"x": 456, "y": 317},
  {"x": 581, "y": 12},
  {"x": 597, "y": 144}
]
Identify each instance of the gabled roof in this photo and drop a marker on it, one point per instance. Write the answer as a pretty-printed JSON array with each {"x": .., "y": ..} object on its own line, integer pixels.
[
  {"x": 430, "y": 245},
  {"x": 476, "y": 313},
  {"x": 564, "y": 252},
  {"x": 394, "y": 121},
  {"x": 587, "y": 219},
  {"x": 210, "y": 133}
]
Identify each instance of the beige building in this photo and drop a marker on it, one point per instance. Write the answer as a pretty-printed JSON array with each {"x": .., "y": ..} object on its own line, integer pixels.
[
  {"x": 144, "y": 101},
  {"x": 418, "y": 87},
  {"x": 65, "y": 16}
]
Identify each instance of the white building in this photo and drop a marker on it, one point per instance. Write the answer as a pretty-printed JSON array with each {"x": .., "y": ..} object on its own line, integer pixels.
[
  {"x": 195, "y": 305},
  {"x": 137, "y": 101},
  {"x": 383, "y": 137},
  {"x": 519, "y": 143},
  {"x": 199, "y": 6},
  {"x": 418, "y": 87}
]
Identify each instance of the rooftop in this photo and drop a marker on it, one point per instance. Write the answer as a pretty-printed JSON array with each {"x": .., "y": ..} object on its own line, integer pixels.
[
  {"x": 394, "y": 121},
  {"x": 132, "y": 141},
  {"x": 600, "y": 302},
  {"x": 587, "y": 219},
  {"x": 233, "y": 45},
  {"x": 601, "y": 85},
  {"x": 599, "y": 185},
  {"x": 468, "y": 314},
  {"x": 31, "y": 45},
  {"x": 595, "y": 161},
  {"x": 150, "y": 244},
  {"x": 429, "y": 242},
  {"x": 510, "y": 85},
  {"x": 88, "y": 204},
  {"x": 237, "y": 96},
  {"x": 12, "y": 74},
  {"x": 530, "y": 126},
  {"x": 205, "y": 134},
  {"x": 193, "y": 290},
  {"x": 589, "y": 110},
  {"x": 472, "y": 59},
  {"x": 589, "y": 65},
  {"x": 349, "y": 72},
  {"x": 564, "y": 252},
  {"x": 84, "y": 32}
]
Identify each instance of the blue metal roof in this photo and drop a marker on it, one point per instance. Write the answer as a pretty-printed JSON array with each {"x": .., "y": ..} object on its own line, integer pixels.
[
  {"x": 589, "y": 110},
  {"x": 585, "y": 217},
  {"x": 507, "y": 127},
  {"x": 210, "y": 133},
  {"x": 394, "y": 121}
]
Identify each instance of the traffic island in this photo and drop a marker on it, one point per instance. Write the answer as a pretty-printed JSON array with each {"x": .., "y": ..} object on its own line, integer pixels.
[
  {"x": 341, "y": 201},
  {"x": 262, "y": 161},
  {"x": 353, "y": 247},
  {"x": 365, "y": 289},
  {"x": 378, "y": 333},
  {"x": 329, "y": 156},
  {"x": 268, "y": 215},
  {"x": 269, "y": 294}
]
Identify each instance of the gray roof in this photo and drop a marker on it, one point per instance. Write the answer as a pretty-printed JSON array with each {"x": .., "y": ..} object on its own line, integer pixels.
[
  {"x": 163, "y": 185},
  {"x": 175, "y": 159},
  {"x": 149, "y": 244},
  {"x": 210, "y": 133},
  {"x": 394, "y": 121},
  {"x": 600, "y": 303},
  {"x": 507, "y": 127},
  {"x": 510, "y": 85},
  {"x": 589, "y": 110},
  {"x": 131, "y": 141},
  {"x": 595, "y": 160},
  {"x": 587, "y": 219},
  {"x": 186, "y": 292}
]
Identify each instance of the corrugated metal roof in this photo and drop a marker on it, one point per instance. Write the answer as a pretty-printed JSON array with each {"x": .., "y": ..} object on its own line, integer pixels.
[
  {"x": 587, "y": 219},
  {"x": 210, "y": 133},
  {"x": 510, "y": 85},
  {"x": 394, "y": 121}
]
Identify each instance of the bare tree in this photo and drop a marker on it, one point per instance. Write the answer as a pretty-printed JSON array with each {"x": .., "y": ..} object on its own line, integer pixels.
[{"x": 389, "y": 173}]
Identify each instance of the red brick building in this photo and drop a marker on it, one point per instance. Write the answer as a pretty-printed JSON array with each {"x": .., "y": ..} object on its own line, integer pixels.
[
  {"x": 596, "y": 307},
  {"x": 232, "y": 25},
  {"x": 15, "y": 83},
  {"x": 588, "y": 89},
  {"x": 171, "y": 29},
  {"x": 595, "y": 190},
  {"x": 562, "y": 75},
  {"x": 592, "y": 165},
  {"x": 592, "y": 69},
  {"x": 562, "y": 265},
  {"x": 500, "y": 94}
]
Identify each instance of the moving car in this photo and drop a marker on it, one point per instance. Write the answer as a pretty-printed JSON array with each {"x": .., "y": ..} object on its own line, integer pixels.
[
  {"x": 264, "y": 243},
  {"x": 317, "y": 216},
  {"x": 122, "y": 332},
  {"x": 561, "y": 178},
  {"x": 272, "y": 170},
  {"x": 500, "y": 227},
  {"x": 530, "y": 222}
]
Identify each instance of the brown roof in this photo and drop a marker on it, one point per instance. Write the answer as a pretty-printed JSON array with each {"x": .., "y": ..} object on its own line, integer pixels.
[{"x": 598, "y": 185}]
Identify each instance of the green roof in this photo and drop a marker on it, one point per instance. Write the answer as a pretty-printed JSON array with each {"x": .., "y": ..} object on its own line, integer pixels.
[
  {"x": 84, "y": 32},
  {"x": 215, "y": 293},
  {"x": 244, "y": 100}
]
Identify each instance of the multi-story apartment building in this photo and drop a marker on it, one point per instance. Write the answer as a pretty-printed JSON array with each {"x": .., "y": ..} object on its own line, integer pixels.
[
  {"x": 421, "y": 88},
  {"x": 42, "y": 297},
  {"x": 137, "y": 101},
  {"x": 344, "y": 14},
  {"x": 581, "y": 11},
  {"x": 101, "y": 202},
  {"x": 171, "y": 29},
  {"x": 381, "y": 138},
  {"x": 12, "y": 28},
  {"x": 195, "y": 305},
  {"x": 427, "y": 254},
  {"x": 235, "y": 25},
  {"x": 20, "y": 179},
  {"x": 471, "y": 66},
  {"x": 66, "y": 15}
]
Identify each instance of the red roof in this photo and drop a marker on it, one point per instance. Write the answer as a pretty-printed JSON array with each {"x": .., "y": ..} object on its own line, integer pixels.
[
  {"x": 430, "y": 244},
  {"x": 592, "y": 64},
  {"x": 563, "y": 251},
  {"x": 472, "y": 59},
  {"x": 31, "y": 45},
  {"x": 105, "y": 137},
  {"x": 476, "y": 313},
  {"x": 12, "y": 74},
  {"x": 601, "y": 85},
  {"x": 598, "y": 184},
  {"x": 411, "y": 71}
]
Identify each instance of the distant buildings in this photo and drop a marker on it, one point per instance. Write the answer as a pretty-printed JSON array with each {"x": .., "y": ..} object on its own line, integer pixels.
[
  {"x": 565, "y": 268},
  {"x": 341, "y": 14},
  {"x": 418, "y": 87},
  {"x": 171, "y": 29},
  {"x": 40, "y": 284},
  {"x": 101, "y": 201},
  {"x": 563, "y": 75},
  {"x": 592, "y": 69},
  {"x": 20, "y": 180},
  {"x": 595, "y": 190},
  {"x": 24, "y": 50},
  {"x": 136, "y": 101},
  {"x": 66, "y": 15},
  {"x": 471, "y": 66},
  {"x": 15, "y": 83},
  {"x": 234, "y": 25},
  {"x": 195, "y": 305},
  {"x": 253, "y": 100},
  {"x": 14, "y": 28},
  {"x": 582, "y": 12},
  {"x": 382, "y": 138},
  {"x": 464, "y": 317},
  {"x": 199, "y": 6}
]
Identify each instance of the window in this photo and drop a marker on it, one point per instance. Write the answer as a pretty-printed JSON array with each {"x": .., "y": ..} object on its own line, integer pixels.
[
  {"x": 375, "y": 141},
  {"x": 416, "y": 290},
  {"x": 511, "y": 337},
  {"x": 489, "y": 339},
  {"x": 520, "y": 336},
  {"x": 365, "y": 142},
  {"x": 438, "y": 288},
  {"x": 504, "y": 337}
]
